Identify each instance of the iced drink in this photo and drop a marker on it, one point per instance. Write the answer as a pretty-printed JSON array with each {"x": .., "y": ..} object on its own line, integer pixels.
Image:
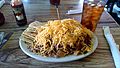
[{"x": 92, "y": 11}]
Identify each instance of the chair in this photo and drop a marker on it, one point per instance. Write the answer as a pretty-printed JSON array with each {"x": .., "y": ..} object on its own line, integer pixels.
[{"x": 110, "y": 5}]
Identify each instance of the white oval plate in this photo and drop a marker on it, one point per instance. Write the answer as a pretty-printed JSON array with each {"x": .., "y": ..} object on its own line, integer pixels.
[{"x": 24, "y": 48}]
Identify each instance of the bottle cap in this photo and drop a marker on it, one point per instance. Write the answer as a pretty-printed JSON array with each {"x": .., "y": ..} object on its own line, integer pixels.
[{"x": 16, "y": 2}]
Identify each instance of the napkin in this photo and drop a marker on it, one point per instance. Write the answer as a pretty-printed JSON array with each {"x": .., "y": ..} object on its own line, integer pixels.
[
  {"x": 1, "y": 36},
  {"x": 113, "y": 46},
  {"x": 76, "y": 11},
  {"x": 1, "y": 3}
]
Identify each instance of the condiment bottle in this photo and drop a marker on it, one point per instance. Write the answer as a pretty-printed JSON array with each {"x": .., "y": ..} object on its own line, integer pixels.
[
  {"x": 19, "y": 13},
  {"x": 2, "y": 19}
]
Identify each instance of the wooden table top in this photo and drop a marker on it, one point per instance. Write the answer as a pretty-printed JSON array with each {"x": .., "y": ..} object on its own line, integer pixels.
[{"x": 12, "y": 56}]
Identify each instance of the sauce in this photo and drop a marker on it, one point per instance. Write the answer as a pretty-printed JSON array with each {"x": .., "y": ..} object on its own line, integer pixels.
[{"x": 19, "y": 13}]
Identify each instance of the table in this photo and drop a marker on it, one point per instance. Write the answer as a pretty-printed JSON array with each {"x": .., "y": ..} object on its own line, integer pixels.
[{"x": 12, "y": 56}]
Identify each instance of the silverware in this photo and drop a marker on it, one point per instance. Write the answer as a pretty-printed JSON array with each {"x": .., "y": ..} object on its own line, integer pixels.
[
  {"x": 113, "y": 46},
  {"x": 57, "y": 10},
  {"x": 1, "y": 36},
  {"x": 5, "y": 39}
]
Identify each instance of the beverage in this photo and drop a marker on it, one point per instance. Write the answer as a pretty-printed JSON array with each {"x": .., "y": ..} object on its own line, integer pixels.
[
  {"x": 92, "y": 11},
  {"x": 18, "y": 10},
  {"x": 54, "y": 2}
]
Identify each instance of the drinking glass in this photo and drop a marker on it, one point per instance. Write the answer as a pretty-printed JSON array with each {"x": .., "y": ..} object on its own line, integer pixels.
[{"x": 92, "y": 10}]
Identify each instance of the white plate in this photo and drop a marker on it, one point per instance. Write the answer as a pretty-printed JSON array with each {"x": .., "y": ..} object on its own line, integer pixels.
[{"x": 24, "y": 48}]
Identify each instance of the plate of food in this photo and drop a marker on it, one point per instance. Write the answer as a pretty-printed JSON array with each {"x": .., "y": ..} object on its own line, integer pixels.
[{"x": 58, "y": 41}]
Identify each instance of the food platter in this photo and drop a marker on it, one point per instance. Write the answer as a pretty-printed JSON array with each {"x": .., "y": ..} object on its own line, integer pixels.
[{"x": 25, "y": 49}]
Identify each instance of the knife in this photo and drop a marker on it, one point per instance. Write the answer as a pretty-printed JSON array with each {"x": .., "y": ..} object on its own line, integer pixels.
[
  {"x": 113, "y": 46},
  {"x": 1, "y": 36},
  {"x": 5, "y": 39}
]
